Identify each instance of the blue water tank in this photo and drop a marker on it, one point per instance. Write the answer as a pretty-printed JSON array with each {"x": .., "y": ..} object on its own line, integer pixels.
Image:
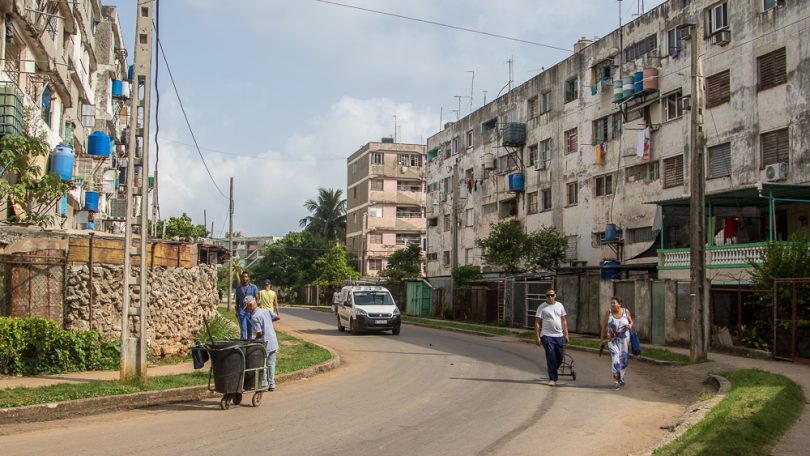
[
  {"x": 608, "y": 272},
  {"x": 91, "y": 225},
  {"x": 611, "y": 232},
  {"x": 116, "y": 88},
  {"x": 98, "y": 143},
  {"x": 638, "y": 81},
  {"x": 91, "y": 201},
  {"x": 62, "y": 162},
  {"x": 516, "y": 182},
  {"x": 130, "y": 73}
]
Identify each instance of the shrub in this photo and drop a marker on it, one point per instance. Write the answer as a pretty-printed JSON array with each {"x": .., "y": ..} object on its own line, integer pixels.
[
  {"x": 31, "y": 346},
  {"x": 221, "y": 329}
]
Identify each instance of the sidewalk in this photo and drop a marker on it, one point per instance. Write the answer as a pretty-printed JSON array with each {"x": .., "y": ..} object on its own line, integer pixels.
[{"x": 90, "y": 376}]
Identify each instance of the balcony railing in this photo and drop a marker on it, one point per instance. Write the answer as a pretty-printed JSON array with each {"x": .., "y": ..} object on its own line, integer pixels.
[{"x": 717, "y": 256}]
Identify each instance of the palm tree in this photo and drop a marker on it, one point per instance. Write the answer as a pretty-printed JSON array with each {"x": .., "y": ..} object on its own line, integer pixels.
[{"x": 328, "y": 215}]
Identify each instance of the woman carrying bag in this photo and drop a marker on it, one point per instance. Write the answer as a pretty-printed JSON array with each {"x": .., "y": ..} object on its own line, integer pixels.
[{"x": 616, "y": 325}]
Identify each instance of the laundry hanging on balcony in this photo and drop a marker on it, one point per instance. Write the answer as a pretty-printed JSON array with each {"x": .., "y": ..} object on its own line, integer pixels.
[
  {"x": 644, "y": 144},
  {"x": 601, "y": 152}
]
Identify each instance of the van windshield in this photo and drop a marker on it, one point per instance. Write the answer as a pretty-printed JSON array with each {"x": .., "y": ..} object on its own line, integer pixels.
[{"x": 372, "y": 298}]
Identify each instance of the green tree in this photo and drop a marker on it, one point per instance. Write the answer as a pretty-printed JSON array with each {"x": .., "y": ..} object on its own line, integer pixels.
[
  {"x": 183, "y": 227},
  {"x": 463, "y": 275},
  {"x": 404, "y": 263},
  {"x": 24, "y": 185},
  {"x": 291, "y": 260},
  {"x": 504, "y": 247},
  {"x": 334, "y": 267},
  {"x": 545, "y": 249},
  {"x": 327, "y": 217}
]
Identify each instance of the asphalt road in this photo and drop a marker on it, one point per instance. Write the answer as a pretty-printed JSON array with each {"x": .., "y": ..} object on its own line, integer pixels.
[{"x": 425, "y": 392}]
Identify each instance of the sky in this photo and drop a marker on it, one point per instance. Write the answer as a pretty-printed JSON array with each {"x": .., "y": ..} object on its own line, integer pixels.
[{"x": 279, "y": 93}]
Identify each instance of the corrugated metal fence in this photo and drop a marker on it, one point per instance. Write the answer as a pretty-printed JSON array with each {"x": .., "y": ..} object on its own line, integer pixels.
[{"x": 33, "y": 285}]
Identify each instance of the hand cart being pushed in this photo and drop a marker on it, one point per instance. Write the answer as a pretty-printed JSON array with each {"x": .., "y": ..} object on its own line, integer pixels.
[
  {"x": 237, "y": 367},
  {"x": 567, "y": 367}
]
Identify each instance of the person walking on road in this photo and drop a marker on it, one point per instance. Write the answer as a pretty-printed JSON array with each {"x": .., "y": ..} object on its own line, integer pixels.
[
  {"x": 262, "y": 321},
  {"x": 551, "y": 330},
  {"x": 616, "y": 324},
  {"x": 335, "y": 300},
  {"x": 268, "y": 299},
  {"x": 244, "y": 290}
]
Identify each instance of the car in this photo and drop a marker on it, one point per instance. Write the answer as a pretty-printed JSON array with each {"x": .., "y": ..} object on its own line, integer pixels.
[{"x": 367, "y": 308}]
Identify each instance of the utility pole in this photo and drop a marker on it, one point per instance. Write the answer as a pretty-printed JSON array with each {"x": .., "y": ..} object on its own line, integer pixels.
[
  {"x": 230, "y": 245},
  {"x": 134, "y": 317},
  {"x": 472, "y": 85},
  {"x": 699, "y": 345}
]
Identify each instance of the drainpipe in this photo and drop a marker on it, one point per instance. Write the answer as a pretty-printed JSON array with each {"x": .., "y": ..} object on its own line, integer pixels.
[{"x": 90, "y": 280}]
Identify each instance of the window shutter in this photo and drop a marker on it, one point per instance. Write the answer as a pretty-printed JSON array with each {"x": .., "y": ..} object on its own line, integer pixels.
[
  {"x": 772, "y": 69},
  {"x": 774, "y": 146},
  {"x": 673, "y": 171},
  {"x": 718, "y": 89},
  {"x": 720, "y": 160}
]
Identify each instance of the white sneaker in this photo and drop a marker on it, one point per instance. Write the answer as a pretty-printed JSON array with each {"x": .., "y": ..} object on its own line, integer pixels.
[
  {"x": 551, "y": 383},
  {"x": 616, "y": 385}
]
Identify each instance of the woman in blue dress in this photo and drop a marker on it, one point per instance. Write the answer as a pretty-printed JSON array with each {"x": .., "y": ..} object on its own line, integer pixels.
[{"x": 616, "y": 326}]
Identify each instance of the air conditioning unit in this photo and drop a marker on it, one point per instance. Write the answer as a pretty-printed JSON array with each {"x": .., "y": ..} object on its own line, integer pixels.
[
  {"x": 686, "y": 103},
  {"x": 540, "y": 165},
  {"x": 776, "y": 172},
  {"x": 722, "y": 38}
]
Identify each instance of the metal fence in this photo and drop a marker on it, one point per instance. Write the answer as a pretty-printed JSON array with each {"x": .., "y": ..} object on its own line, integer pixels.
[{"x": 33, "y": 285}]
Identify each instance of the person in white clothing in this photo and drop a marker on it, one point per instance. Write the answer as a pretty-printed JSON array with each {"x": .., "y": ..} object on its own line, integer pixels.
[{"x": 551, "y": 330}]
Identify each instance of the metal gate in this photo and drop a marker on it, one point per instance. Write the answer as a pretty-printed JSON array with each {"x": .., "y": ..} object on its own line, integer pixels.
[
  {"x": 33, "y": 285},
  {"x": 791, "y": 319}
]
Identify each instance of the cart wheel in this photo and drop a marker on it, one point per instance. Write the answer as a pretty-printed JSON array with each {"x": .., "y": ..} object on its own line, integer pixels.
[
  {"x": 573, "y": 376},
  {"x": 225, "y": 403},
  {"x": 237, "y": 398},
  {"x": 257, "y": 399}
]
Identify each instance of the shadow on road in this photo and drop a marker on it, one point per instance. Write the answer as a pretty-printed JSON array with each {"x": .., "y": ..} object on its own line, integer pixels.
[{"x": 402, "y": 353}]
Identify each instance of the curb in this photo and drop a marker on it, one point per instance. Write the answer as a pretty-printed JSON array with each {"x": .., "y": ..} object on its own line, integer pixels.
[{"x": 117, "y": 403}]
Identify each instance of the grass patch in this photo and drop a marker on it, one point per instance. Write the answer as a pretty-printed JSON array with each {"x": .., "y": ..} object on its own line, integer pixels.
[
  {"x": 295, "y": 354},
  {"x": 756, "y": 412}
]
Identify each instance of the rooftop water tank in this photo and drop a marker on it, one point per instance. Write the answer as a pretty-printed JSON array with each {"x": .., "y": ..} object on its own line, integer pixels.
[
  {"x": 116, "y": 88},
  {"x": 650, "y": 79},
  {"x": 638, "y": 81},
  {"x": 98, "y": 143},
  {"x": 611, "y": 233},
  {"x": 516, "y": 182},
  {"x": 514, "y": 134},
  {"x": 609, "y": 270},
  {"x": 62, "y": 162},
  {"x": 91, "y": 201}
]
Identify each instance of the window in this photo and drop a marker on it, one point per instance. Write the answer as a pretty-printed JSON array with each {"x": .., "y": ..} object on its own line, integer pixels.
[
  {"x": 375, "y": 238},
  {"x": 532, "y": 203},
  {"x": 410, "y": 159},
  {"x": 506, "y": 163},
  {"x": 718, "y": 89},
  {"x": 545, "y": 102},
  {"x": 532, "y": 155},
  {"x": 433, "y": 256},
  {"x": 640, "y": 48},
  {"x": 489, "y": 125},
  {"x": 768, "y": 4},
  {"x": 375, "y": 212},
  {"x": 673, "y": 171},
  {"x": 433, "y": 221},
  {"x": 407, "y": 238},
  {"x": 717, "y": 17},
  {"x": 354, "y": 168},
  {"x": 673, "y": 107},
  {"x": 468, "y": 256},
  {"x": 644, "y": 234},
  {"x": 571, "y": 89},
  {"x": 354, "y": 192},
  {"x": 46, "y": 105},
  {"x": 377, "y": 158},
  {"x": 545, "y": 150},
  {"x": 468, "y": 217},
  {"x": 603, "y": 185},
  {"x": 376, "y": 185},
  {"x": 546, "y": 199},
  {"x": 409, "y": 212},
  {"x": 642, "y": 173},
  {"x": 409, "y": 186},
  {"x": 572, "y": 193},
  {"x": 571, "y": 141},
  {"x": 607, "y": 128},
  {"x": 374, "y": 264},
  {"x": 531, "y": 107},
  {"x": 772, "y": 69},
  {"x": 446, "y": 222},
  {"x": 775, "y": 147},
  {"x": 675, "y": 39},
  {"x": 469, "y": 138},
  {"x": 454, "y": 146},
  {"x": 720, "y": 160},
  {"x": 446, "y": 258},
  {"x": 601, "y": 73}
]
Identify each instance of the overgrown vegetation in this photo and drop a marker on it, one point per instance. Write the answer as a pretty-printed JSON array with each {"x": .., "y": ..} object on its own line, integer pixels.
[
  {"x": 507, "y": 247},
  {"x": 181, "y": 227},
  {"x": 334, "y": 267},
  {"x": 404, "y": 264},
  {"x": 31, "y": 346},
  {"x": 463, "y": 275},
  {"x": 290, "y": 262},
  {"x": 757, "y": 411}
]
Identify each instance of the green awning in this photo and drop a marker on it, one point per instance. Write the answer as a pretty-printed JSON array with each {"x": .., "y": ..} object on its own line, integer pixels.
[{"x": 750, "y": 195}]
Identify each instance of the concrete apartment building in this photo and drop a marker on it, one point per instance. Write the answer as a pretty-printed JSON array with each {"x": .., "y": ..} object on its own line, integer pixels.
[
  {"x": 59, "y": 60},
  {"x": 385, "y": 208},
  {"x": 609, "y": 168}
]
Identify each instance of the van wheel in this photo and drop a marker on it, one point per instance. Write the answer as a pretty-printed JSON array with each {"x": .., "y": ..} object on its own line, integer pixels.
[
  {"x": 395, "y": 331},
  {"x": 353, "y": 327},
  {"x": 341, "y": 328}
]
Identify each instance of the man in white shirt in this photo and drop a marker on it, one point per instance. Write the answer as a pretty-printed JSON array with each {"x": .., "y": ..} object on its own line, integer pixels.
[
  {"x": 335, "y": 300},
  {"x": 551, "y": 330}
]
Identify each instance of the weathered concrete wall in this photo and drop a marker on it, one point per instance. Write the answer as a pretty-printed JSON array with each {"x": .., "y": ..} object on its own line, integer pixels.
[{"x": 178, "y": 300}]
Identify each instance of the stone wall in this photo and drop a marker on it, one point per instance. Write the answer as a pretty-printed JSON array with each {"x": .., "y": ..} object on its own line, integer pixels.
[{"x": 178, "y": 300}]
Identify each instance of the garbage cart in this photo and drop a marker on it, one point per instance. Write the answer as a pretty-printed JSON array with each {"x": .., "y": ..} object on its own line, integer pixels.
[{"x": 237, "y": 367}]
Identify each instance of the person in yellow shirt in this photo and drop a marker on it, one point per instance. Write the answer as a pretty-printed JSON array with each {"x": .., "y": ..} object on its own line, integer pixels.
[{"x": 268, "y": 299}]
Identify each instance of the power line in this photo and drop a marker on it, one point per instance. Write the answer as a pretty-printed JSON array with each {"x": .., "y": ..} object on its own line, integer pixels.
[
  {"x": 400, "y": 16},
  {"x": 185, "y": 116},
  {"x": 286, "y": 160}
]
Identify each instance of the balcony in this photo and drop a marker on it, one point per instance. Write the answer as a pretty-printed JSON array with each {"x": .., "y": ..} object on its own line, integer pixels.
[{"x": 717, "y": 256}]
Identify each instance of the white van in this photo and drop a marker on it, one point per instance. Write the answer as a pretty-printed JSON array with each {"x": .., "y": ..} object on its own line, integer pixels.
[{"x": 367, "y": 308}]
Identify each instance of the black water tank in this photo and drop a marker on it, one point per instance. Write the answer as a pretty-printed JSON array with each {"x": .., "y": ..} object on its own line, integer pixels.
[{"x": 514, "y": 134}]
